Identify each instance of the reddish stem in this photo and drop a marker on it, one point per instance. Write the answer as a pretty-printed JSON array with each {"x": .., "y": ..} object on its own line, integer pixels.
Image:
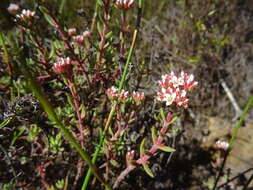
[
  {"x": 77, "y": 109},
  {"x": 143, "y": 158}
]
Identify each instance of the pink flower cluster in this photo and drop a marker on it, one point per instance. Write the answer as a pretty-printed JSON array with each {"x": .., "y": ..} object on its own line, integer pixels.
[
  {"x": 81, "y": 38},
  {"x": 64, "y": 66},
  {"x": 124, "y": 4},
  {"x": 122, "y": 96},
  {"x": 113, "y": 94},
  {"x": 223, "y": 145},
  {"x": 174, "y": 88},
  {"x": 26, "y": 15},
  {"x": 138, "y": 97}
]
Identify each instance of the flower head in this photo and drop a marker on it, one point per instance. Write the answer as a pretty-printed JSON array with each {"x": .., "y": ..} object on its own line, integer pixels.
[
  {"x": 26, "y": 15},
  {"x": 174, "y": 88},
  {"x": 86, "y": 34},
  {"x": 138, "y": 97},
  {"x": 81, "y": 38},
  {"x": 78, "y": 39},
  {"x": 124, "y": 4},
  {"x": 64, "y": 66},
  {"x": 123, "y": 95},
  {"x": 223, "y": 145},
  {"x": 112, "y": 93}
]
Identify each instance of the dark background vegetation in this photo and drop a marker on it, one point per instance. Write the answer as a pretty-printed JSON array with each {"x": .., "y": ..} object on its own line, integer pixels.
[{"x": 213, "y": 39}]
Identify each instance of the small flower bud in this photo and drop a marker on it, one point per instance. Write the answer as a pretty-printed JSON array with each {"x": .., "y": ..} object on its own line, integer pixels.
[
  {"x": 223, "y": 145},
  {"x": 138, "y": 97},
  {"x": 72, "y": 31},
  {"x": 78, "y": 39},
  {"x": 123, "y": 95},
  {"x": 130, "y": 157},
  {"x": 26, "y": 15},
  {"x": 112, "y": 93},
  {"x": 124, "y": 4},
  {"x": 64, "y": 66},
  {"x": 86, "y": 34},
  {"x": 13, "y": 9}
]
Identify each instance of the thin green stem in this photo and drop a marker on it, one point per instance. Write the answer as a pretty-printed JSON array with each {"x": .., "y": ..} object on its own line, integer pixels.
[
  {"x": 6, "y": 57},
  {"x": 93, "y": 23},
  {"x": 240, "y": 122},
  {"x": 101, "y": 141},
  {"x": 113, "y": 109}
]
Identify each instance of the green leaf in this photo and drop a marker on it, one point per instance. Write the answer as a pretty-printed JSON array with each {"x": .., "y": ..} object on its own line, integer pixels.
[
  {"x": 193, "y": 60},
  {"x": 174, "y": 119},
  {"x": 62, "y": 5},
  {"x": 162, "y": 114},
  {"x": 100, "y": 2},
  {"x": 70, "y": 100},
  {"x": 148, "y": 170},
  {"x": 99, "y": 28},
  {"x": 211, "y": 12},
  {"x": 114, "y": 163},
  {"x": 5, "y": 80},
  {"x": 166, "y": 149},
  {"x": 153, "y": 134},
  {"x": 109, "y": 35},
  {"x": 5, "y": 122},
  {"x": 142, "y": 146}
]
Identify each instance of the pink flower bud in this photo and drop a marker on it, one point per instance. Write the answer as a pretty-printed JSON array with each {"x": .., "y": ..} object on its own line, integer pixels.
[
  {"x": 26, "y": 15},
  {"x": 78, "y": 39},
  {"x": 86, "y": 34},
  {"x": 123, "y": 95},
  {"x": 112, "y": 93},
  {"x": 130, "y": 157},
  {"x": 138, "y": 97},
  {"x": 72, "y": 31},
  {"x": 64, "y": 66},
  {"x": 13, "y": 9},
  {"x": 124, "y": 4},
  {"x": 223, "y": 145}
]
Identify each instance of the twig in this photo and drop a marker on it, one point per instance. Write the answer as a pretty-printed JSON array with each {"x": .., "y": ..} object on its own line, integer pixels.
[
  {"x": 238, "y": 110},
  {"x": 75, "y": 96},
  {"x": 248, "y": 182},
  {"x": 234, "y": 136},
  {"x": 9, "y": 163},
  {"x": 171, "y": 154},
  {"x": 221, "y": 169},
  {"x": 233, "y": 178}
]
